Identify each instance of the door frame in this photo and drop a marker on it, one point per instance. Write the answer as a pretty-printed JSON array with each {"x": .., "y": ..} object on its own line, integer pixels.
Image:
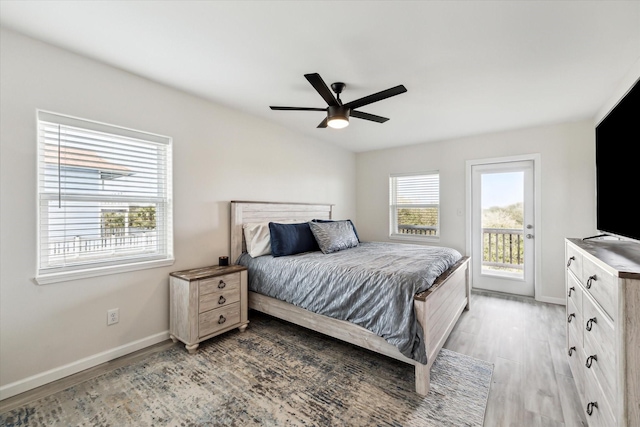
[{"x": 535, "y": 158}]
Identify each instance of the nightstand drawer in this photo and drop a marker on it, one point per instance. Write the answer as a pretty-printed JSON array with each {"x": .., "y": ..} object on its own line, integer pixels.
[
  {"x": 218, "y": 299},
  {"x": 220, "y": 283},
  {"x": 221, "y": 318},
  {"x": 600, "y": 284}
]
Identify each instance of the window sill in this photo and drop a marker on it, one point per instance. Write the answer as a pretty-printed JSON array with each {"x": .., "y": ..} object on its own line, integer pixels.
[
  {"x": 414, "y": 238},
  {"x": 46, "y": 279}
]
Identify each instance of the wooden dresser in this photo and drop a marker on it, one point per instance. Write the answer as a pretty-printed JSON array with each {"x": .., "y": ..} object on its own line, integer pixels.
[
  {"x": 603, "y": 328},
  {"x": 205, "y": 302}
]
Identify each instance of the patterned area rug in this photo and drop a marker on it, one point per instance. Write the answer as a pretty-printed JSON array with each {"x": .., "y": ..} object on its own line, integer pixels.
[{"x": 274, "y": 374}]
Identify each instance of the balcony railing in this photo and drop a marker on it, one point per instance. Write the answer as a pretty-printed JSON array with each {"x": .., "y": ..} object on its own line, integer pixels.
[
  {"x": 420, "y": 230},
  {"x": 79, "y": 246},
  {"x": 503, "y": 248}
]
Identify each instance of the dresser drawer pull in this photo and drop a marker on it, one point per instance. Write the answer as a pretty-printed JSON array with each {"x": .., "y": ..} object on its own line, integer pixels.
[
  {"x": 222, "y": 300},
  {"x": 570, "y": 259},
  {"x": 590, "y": 407},
  {"x": 590, "y": 360},
  {"x": 571, "y": 289},
  {"x": 570, "y": 316},
  {"x": 222, "y": 319},
  {"x": 221, "y": 285},
  {"x": 590, "y": 323},
  {"x": 590, "y": 281},
  {"x": 571, "y": 350}
]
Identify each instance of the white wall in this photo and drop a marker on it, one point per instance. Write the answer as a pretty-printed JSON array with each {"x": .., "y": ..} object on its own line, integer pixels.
[
  {"x": 219, "y": 155},
  {"x": 625, "y": 84},
  {"x": 567, "y": 179}
]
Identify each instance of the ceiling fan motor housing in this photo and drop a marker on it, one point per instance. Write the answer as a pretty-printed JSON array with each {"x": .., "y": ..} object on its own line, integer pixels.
[{"x": 338, "y": 112}]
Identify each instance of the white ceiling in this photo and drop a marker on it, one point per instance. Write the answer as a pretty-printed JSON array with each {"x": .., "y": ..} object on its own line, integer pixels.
[{"x": 470, "y": 67}]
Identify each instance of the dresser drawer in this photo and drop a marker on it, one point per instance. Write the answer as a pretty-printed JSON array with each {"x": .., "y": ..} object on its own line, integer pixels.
[
  {"x": 576, "y": 361},
  {"x": 574, "y": 292},
  {"x": 574, "y": 322},
  {"x": 599, "y": 347},
  {"x": 213, "y": 321},
  {"x": 574, "y": 261},
  {"x": 600, "y": 284},
  {"x": 220, "y": 283},
  {"x": 595, "y": 403},
  {"x": 218, "y": 299}
]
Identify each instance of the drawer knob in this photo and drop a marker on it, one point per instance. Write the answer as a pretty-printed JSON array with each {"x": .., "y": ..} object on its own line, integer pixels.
[
  {"x": 222, "y": 300},
  {"x": 571, "y": 289},
  {"x": 590, "y": 323},
  {"x": 571, "y": 350},
  {"x": 590, "y": 360},
  {"x": 570, "y": 259},
  {"x": 590, "y": 407},
  {"x": 221, "y": 285},
  {"x": 590, "y": 281},
  {"x": 570, "y": 316},
  {"x": 222, "y": 319}
]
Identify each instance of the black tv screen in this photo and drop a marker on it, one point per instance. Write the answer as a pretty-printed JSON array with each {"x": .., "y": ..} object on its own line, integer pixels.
[{"x": 618, "y": 168}]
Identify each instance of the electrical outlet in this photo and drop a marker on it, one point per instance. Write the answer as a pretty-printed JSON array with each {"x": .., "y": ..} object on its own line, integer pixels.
[{"x": 113, "y": 316}]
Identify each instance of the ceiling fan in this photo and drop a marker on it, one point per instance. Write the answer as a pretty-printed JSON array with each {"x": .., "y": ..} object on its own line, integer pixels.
[{"x": 338, "y": 113}]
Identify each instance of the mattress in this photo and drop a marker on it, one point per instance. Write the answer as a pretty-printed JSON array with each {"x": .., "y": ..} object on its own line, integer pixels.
[{"x": 371, "y": 285}]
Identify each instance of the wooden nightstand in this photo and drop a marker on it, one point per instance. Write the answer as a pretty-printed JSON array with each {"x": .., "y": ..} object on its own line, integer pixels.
[{"x": 205, "y": 302}]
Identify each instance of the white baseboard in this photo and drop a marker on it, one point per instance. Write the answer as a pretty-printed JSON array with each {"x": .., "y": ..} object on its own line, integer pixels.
[
  {"x": 43, "y": 378},
  {"x": 552, "y": 300}
]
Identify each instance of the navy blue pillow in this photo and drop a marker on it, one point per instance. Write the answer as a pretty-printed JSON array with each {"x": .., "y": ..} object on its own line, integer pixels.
[
  {"x": 331, "y": 220},
  {"x": 291, "y": 239}
]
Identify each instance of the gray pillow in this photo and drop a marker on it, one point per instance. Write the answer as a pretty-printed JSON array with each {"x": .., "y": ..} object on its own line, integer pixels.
[{"x": 334, "y": 236}]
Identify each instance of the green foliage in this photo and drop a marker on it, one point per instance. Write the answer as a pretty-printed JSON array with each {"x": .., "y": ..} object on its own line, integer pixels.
[
  {"x": 112, "y": 220},
  {"x": 112, "y": 223},
  {"x": 142, "y": 217},
  {"x": 418, "y": 216},
  {"x": 503, "y": 216}
]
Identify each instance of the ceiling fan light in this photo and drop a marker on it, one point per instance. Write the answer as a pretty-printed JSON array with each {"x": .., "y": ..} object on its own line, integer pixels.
[
  {"x": 338, "y": 117},
  {"x": 338, "y": 123}
]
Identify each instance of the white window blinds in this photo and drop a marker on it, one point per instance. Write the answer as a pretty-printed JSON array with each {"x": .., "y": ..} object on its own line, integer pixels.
[
  {"x": 414, "y": 204},
  {"x": 104, "y": 198}
]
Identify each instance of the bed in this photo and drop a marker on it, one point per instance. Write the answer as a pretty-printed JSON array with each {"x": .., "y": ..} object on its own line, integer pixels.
[{"x": 436, "y": 309}]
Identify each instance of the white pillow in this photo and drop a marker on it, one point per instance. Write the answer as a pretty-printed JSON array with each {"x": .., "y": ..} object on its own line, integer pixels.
[{"x": 258, "y": 238}]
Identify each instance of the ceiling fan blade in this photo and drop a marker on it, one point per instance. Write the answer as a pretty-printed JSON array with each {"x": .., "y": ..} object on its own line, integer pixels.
[
  {"x": 323, "y": 124},
  {"x": 321, "y": 87},
  {"x": 367, "y": 116},
  {"x": 376, "y": 97},
  {"x": 298, "y": 108}
]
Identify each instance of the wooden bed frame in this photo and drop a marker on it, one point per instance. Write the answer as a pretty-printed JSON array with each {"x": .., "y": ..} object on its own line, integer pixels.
[{"x": 437, "y": 309}]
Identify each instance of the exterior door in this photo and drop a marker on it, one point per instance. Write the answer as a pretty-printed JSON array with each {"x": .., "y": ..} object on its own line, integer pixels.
[{"x": 502, "y": 227}]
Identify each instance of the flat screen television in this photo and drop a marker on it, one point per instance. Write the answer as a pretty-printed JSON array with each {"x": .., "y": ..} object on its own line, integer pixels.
[{"x": 618, "y": 168}]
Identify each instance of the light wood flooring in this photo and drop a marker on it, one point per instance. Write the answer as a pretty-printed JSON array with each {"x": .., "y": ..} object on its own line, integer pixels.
[{"x": 532, "y": 385}]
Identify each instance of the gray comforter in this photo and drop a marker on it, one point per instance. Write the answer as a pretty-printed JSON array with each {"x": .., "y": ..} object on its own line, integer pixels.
[{"x": 371, "y": 285}]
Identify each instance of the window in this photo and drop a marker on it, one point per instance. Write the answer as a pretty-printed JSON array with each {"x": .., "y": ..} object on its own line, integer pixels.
[
  {"x": 104, "y": 195},
  {"x": 414, "y": 205}
]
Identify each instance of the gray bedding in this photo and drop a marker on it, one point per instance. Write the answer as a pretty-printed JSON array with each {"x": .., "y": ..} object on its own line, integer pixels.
[{"x": 371, "y": 285}]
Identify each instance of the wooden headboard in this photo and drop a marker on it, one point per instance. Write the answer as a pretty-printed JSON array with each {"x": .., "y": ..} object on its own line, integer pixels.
[{"x": 244, "y": 212}]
